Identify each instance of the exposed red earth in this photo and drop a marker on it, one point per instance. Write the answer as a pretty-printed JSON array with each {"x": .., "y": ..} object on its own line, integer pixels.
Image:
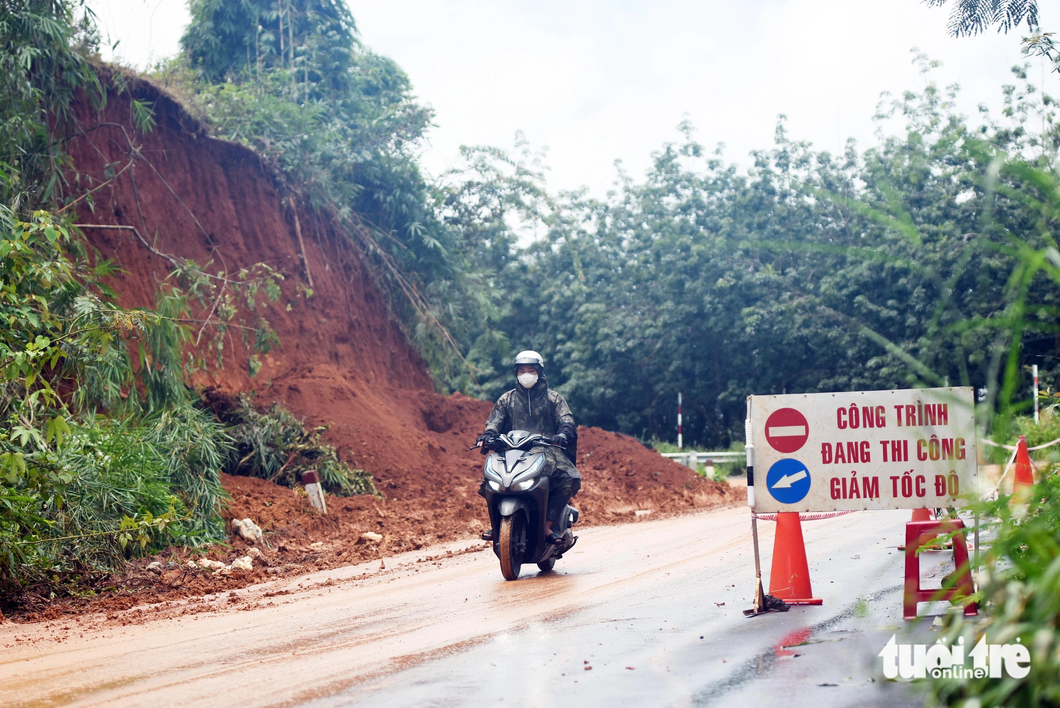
[{"x": 343, "y": 361}]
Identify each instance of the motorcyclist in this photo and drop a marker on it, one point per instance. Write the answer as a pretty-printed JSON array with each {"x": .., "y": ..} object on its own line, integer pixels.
[{"x": 533, "y": 407}]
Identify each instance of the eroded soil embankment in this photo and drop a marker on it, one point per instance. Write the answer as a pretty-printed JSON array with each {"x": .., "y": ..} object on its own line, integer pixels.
[{"x": 342, "y": 360}]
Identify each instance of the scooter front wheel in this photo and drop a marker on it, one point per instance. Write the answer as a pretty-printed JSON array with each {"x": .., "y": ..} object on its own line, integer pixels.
[{"x": 512, "y": 545}]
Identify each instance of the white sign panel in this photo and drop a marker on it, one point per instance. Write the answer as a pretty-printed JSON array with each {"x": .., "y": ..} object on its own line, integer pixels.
[{"x": 863, "y": 450}]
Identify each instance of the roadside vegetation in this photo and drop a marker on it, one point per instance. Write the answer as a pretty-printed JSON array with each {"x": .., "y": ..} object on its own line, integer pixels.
[
  {"x": 1018, "y": 578},
  {"x": 92, "y": 463},
  {"x": 105, "y": 451},
  {"x": 1019, "y": 569}
]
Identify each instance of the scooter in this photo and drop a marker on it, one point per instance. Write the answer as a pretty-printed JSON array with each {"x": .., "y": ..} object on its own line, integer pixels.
[{"x": 515, "y": 485}]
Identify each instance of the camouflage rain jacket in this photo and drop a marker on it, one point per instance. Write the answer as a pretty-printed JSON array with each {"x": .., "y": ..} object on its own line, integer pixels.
[{"x": 539, "y": 410}]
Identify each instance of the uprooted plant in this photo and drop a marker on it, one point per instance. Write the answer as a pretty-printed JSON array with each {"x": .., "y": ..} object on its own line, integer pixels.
[{"x": 276, "y": 446}]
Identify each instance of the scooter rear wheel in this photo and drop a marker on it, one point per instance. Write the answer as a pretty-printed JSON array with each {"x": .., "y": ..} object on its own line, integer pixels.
[
  {"x": 547, "y": 565},
  {"x": 512, "y": 542}
]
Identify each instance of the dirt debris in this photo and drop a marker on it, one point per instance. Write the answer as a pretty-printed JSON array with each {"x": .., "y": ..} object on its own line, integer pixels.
[{"x": 620, "y": 477}]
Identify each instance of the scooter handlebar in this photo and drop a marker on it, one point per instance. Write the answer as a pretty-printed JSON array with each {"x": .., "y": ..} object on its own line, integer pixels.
[{"x": 549, "y": 443}]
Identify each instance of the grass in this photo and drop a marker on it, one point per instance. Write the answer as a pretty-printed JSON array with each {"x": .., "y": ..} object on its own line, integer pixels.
[{"x": 116, "y": 478}]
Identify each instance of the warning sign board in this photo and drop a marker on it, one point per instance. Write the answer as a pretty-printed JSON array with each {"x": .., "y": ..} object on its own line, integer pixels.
[{"x": 907, "y": 449}]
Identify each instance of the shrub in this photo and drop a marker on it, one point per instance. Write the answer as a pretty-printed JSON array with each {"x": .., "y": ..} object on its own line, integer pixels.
[
  {"x": 1020, "y": 594},
  {"x": 1008, "y": 433},
  {"x": 194, "y": 447},
  {"x": 113, "y": 481}
]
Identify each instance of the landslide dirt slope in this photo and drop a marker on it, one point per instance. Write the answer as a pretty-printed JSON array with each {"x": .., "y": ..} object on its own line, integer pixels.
[{"x": 342, "y": 359}]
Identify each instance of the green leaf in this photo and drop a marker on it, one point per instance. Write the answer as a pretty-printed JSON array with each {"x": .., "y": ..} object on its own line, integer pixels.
[
  {"x": 57, "y": 430},
  {"x": 143, "y": 115},
  {"x": 15, "y": 464},
  {"x": 25, "y": 434}
]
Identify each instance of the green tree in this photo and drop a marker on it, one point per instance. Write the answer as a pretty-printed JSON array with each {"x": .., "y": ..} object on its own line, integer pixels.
[
  {"x": 812, "y": 272},
  {"x": 970, "y": 17},
  {"x": 42, "y": 67}
]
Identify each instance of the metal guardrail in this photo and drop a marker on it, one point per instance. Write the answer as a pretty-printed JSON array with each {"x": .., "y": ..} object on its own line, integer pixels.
[{"x": 693, "y": 459}]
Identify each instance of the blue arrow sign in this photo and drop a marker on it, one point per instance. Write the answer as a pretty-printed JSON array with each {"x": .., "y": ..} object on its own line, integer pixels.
[{"x": 788, "y": 481}]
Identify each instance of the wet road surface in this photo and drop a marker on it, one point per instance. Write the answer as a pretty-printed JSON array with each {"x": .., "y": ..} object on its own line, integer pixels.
[{"x": 639, "y": 614}]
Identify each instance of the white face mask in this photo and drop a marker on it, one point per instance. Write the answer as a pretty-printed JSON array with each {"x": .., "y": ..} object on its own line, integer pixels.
[{"x": 527, "y": 380}]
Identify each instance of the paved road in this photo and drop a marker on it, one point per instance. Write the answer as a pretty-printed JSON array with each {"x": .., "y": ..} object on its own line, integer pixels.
[{"x": 637, "y": 614}]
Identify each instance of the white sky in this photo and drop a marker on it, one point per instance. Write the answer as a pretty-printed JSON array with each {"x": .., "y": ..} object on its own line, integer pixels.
[{"x": 599, "y": 81}]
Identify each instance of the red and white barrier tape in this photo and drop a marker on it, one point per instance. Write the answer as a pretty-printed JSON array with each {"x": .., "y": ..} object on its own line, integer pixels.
[
  {"x": 992, "y": 494},
  {"x": 1013, "y": 447},
  {"x": 808, "y": 516}
]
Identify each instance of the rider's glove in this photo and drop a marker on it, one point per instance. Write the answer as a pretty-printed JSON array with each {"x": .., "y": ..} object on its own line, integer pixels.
[
  {"x": 488, "y": 440},
  {"x": 560, "y": 440}
]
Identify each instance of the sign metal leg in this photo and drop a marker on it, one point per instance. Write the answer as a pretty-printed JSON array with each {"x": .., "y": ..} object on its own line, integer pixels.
[
  {"x": 760, "y": 595},
  {"x": 975, "y": 540}
]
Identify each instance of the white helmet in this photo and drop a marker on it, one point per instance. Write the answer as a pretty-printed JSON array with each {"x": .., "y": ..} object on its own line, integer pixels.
[{"x": 529, "y": 357}]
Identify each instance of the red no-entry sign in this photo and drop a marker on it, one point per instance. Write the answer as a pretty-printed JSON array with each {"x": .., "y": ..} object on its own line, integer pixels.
[{"x": 786, "y": 430}]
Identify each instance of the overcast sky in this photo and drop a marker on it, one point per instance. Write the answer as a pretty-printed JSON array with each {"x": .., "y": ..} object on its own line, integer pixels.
[{"x": 599, "y": 81}]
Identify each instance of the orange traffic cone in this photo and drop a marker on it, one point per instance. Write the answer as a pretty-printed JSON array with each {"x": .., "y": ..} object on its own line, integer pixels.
[
  {"x": 789, "y": 580},
  {"x": 1024, "y": 474},
  {"x": 927, "y": 541},
  {"x": 922, "y": 515}
]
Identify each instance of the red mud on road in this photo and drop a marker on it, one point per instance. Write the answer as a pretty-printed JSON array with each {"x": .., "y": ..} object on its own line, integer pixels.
[{"x": 343, "y": 361}]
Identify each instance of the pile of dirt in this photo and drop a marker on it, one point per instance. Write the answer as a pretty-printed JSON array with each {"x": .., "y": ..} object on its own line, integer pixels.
[
  {"x": 621, "y": 477},
  {"x": 416, "y": 450},
  {"x": 342, "y": 362}
]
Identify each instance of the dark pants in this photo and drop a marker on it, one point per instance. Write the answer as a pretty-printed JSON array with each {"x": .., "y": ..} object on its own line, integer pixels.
[
  {"x": 561, "y": 489},
  {"x": 563, "y": 483}
]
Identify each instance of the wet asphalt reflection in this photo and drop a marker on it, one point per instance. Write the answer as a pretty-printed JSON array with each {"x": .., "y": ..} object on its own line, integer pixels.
[{"x": 674, "y": 634}]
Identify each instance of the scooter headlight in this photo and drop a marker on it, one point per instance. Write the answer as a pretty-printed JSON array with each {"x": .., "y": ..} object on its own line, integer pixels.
[
  {"x": 538, "y": 464},
  {"x": 526, "y": 478},
  {"x": 494, "y": 486}
]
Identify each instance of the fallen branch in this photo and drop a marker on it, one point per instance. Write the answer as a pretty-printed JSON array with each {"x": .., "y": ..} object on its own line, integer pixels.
[
  {"x": 118, "y": 227},
  {"x": 301, "y": 248},
  {"x": 96, "y": 189}
]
